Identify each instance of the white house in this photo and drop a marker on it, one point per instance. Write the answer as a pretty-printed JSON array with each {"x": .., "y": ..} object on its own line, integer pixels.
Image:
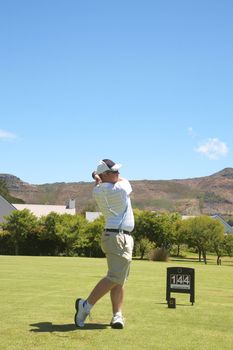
[
  {"x": 37, "y": 209},
  {"x": 5, "y": 208},
  {"x": 92, "y": 215},
  {"x": 43, "y": 210}
]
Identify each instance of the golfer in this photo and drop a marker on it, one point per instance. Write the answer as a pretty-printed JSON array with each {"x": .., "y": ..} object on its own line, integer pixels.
[{"x": 111, "y": 193}]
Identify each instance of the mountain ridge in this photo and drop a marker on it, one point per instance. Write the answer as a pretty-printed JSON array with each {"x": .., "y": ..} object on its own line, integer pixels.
[{"x": 193, "y": 196}]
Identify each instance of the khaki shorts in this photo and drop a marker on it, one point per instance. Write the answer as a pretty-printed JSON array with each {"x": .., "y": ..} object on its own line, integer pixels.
[{"x": 118, "y": 248}]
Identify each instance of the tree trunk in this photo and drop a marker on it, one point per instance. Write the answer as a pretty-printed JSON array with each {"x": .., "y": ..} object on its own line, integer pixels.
[
  {"x": 178, "y": 250},
  {"x": 204, "y": 256},
  {"x": 199, "y": 253},
  {"x": 142, "y": 254},
  {"x": 16, "y": 248}
]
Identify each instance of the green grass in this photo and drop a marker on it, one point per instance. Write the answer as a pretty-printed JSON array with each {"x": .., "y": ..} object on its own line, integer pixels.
[{"x": 37, "y": 297}]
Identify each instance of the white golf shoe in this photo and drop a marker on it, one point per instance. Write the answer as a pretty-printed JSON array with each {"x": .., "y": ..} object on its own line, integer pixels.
[
  {"x": 81, "y": 313},
  {"x": 117, "y": 322}
]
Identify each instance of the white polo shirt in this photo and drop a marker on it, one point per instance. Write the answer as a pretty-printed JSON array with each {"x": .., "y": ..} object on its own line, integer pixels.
[{"x": 114, "y": 202}]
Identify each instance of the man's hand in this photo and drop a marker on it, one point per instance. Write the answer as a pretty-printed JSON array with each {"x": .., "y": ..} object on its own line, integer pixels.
[
  {"x": 97, "y": 178},
  {"x": 120, "y": 179}
]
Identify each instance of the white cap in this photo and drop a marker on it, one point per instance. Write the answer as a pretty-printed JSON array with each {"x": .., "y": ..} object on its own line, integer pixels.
[{"x": 107, "y": 165}]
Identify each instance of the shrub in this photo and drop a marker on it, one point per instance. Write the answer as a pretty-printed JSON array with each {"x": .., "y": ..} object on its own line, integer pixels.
[{"x": 159, "y": 254}]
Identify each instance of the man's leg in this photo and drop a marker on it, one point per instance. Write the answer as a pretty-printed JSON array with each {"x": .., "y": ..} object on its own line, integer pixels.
[
  {"x": 117, "y": 296},
  {"x": 103, "y": 287},
  {"x": 83, "y": 307}
]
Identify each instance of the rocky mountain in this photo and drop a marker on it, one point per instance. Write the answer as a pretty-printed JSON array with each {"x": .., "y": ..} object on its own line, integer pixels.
[{"x": 204, "y": 195}]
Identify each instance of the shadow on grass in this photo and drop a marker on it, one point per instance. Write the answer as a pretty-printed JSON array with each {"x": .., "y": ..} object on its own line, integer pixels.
[
  {"x": 180, "y": 259},
  {"x": 177, "y": 304},
  {"x": 43, "y": 327}
]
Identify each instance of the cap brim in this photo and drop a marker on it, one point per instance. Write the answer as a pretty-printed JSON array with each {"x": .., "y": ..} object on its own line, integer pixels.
[
  {"x": 102, "y": 168},
  {"x": 116, "y": 167}
]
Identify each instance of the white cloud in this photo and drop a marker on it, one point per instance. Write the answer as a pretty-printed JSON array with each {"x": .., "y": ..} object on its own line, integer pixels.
[
  {"x": 191, "y": 132},
  {"x": 6, "y": 135},
  {"x": 213, "y": 149}
]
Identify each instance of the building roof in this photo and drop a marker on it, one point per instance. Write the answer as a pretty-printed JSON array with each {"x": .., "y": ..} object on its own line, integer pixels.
[
  {"x": 5, "y": 208},
  {"x": 43, "y": 210},
  {"x": 227, "y": 228},
  {"x": 92, "y": 215}
]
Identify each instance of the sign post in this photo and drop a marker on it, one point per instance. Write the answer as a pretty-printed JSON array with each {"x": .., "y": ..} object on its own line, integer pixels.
[{"x": 180, "y": 280}]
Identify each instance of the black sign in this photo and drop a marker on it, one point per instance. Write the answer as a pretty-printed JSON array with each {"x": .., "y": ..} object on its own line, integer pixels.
[{"x": 180, "y": 280}]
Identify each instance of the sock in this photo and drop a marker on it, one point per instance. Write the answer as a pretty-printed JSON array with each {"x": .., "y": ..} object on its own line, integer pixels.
[
  {"x": 118, "y": 313},
  {"x": 87, "y": 306}
]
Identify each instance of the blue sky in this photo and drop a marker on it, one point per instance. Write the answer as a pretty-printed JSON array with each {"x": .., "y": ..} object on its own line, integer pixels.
[{"x": 148, "y": 84}]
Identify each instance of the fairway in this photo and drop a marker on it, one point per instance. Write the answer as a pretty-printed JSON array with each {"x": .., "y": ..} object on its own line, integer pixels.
[{"x": 37, "y": 296}]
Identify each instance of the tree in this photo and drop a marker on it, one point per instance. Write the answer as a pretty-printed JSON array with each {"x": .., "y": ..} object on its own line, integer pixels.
[
  {"x": 165, "y": 229},
  {"x": 93, "y": 233},
  {"x": 19, "y": 225},
  {"x": 201, "y": 232},
  {"x": 157, "y": 228},
  {"x": 217, "y": 239},
  {"x": 51, "y": 243},
  {"x": 228, "y": 244},
  {"x": 179, "y": 234},
  {"x": 69, "y": 229},
  {"x": 144, "y": 246},
  {"x": 143, "y": 225}
]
